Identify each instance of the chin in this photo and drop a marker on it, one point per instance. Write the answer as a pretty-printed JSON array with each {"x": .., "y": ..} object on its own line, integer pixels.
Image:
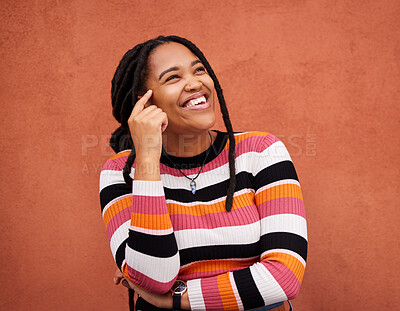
[{"x": 206, "y": 124}]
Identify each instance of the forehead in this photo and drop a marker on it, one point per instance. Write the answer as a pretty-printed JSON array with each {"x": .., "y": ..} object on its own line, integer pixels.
[{"x": 169, "y": 55}]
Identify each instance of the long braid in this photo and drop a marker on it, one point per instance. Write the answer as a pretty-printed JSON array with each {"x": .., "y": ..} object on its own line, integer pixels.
[
  {"x": 125, "y": 87},
  {"x": 123, "y": 79}
]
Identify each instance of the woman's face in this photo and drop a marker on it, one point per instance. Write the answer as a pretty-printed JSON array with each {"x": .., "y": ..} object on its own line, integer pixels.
[{"x": 181, "y": 88}]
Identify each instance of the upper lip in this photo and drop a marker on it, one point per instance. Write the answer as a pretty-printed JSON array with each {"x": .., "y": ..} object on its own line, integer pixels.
[{"x": 196, "y": 95}]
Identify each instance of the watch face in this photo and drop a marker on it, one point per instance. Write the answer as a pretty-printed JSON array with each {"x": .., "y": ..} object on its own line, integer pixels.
[{"x": 178, "y": 287}]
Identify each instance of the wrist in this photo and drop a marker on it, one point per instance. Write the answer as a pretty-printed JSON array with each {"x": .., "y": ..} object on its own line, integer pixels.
[
  {"x": 147, "y": 169},
  {"x": 179, "y": 298}
]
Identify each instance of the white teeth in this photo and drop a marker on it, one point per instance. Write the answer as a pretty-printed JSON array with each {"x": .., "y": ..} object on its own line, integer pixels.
[{"x": 196, "y": 101}]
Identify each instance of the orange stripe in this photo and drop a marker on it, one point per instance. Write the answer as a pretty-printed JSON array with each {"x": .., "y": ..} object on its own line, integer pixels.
[
  {"x": 280, "y": 191},
  {"x": 216, "y": 265},
  {"x": 115, "y": 208},
  {"x": 289, "y": 261},
  {"x": 121, "y": 154},
  {"x": 204, "y": 209},
  {"x": 228, "y": 298},
  {"x": 152, "y": 222},
  {"x": 239, "y": 138}
]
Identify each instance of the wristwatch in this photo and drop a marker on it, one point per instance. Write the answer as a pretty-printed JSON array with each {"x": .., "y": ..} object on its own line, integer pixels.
[{"x": 177, "y": 291}]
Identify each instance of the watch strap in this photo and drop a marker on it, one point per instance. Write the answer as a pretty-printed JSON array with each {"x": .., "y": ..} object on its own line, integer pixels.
[{"x": 176, "y": 301}]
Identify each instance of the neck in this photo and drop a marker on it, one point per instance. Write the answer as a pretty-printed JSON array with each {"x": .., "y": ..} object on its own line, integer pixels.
[{"x": 182, "y": 145}]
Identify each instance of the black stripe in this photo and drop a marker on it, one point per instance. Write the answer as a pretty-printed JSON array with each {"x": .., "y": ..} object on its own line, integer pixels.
[
  {"x": 247, "y": 288},
  {"x": 120, "y": 254},
  {"x": 213, "y": 192},
  {"x": 111, "y": 192},
  {"x": 278, "y": 171},
  {"x": 285, "y": 240},
  {"x": 213, "y": 252},
  {"x": 162, "y": 246}
]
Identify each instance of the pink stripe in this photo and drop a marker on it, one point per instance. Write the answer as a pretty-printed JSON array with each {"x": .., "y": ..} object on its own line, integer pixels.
[
  {"x": 284, "y": 276},
  {"x": 237, "y": 217},
  {"x": 256, "y": 143},
  {"x": 111, "y": 165},
  {"x": 142, "y": 204},
  {"x": 211, "y": 296},
  {"x": 118, "y": 220},
  {"x": 288, "y": 205},
  {"x": 147, "y": 283}
]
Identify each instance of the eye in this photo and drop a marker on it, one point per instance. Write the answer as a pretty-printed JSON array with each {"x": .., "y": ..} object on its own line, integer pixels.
[
  {"x": 200, "y": 69},
  {"x": 171, "y": 78}
]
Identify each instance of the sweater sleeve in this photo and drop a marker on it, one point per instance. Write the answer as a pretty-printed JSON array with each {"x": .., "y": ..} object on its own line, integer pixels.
[
  {"x": 139, "y": 228},
  {"x": 283, "y": 241}
]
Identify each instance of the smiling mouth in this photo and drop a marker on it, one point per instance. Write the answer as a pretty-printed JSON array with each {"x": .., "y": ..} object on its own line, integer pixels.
[{"x": 195, "y": 101}]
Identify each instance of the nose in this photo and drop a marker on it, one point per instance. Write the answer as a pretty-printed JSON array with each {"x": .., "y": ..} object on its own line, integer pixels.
[{"x": 193, "y": 84}]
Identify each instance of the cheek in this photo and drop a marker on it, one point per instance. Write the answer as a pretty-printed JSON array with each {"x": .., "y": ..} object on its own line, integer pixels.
[
  {"x": 169, "y": 96},
  {"x": 208, "y": 82}
]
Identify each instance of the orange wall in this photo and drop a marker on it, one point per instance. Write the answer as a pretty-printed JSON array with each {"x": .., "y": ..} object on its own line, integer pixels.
[{"x": 321, "y": 75}]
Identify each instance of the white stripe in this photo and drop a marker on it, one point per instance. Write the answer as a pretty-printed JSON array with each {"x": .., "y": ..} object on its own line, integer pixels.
[
  {"x": 285, "y": 251},
  {"x": 236, "y": 235},
  {"x": 275, "y": 153},
  {"x": 132, "y": 173},
  {"x": 114, "y": 201},
  {"x": 268, "y": 287},
  {"x": 110, "y": 177},
  {"x": 152, "y": 232},
  {"x": 148, "y": 188},
  {"x": 195, "y": 203},
  {"x": 251, "y": 162},
  {"x": 160, "y": 269},
  {"x": 195, "y": 295},
  {"x": 119, "y": 236},
  {"x": 279, "y": 183},
  {"x": 284, "y": 223}
]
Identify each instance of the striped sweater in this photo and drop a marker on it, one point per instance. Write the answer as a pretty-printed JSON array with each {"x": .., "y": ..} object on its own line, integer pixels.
[{"x": 252, "y": 256}]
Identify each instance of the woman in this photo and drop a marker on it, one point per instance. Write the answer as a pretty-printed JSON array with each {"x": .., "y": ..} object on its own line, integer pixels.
[{"x": 216, "y": 216}]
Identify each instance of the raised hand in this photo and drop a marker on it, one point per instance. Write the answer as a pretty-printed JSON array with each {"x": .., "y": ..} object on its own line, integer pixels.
[{"x": 146, "y": 123}]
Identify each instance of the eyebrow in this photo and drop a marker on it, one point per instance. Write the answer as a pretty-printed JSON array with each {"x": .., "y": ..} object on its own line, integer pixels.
[{"x": 176, "y": 68}]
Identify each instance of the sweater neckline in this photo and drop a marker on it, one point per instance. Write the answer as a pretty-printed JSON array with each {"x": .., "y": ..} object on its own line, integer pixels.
[{"x": 197, "y": 160}]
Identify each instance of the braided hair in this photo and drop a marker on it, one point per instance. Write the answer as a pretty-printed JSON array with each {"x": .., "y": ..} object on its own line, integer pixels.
[{"x": 128, "y": 82}]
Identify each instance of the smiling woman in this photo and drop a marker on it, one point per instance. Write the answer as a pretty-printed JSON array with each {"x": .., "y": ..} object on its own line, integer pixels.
[{"x": 196, "y": 218}]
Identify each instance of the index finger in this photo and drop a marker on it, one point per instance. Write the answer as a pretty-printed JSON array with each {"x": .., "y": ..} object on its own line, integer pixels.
[{"x": 139, "y": 106}]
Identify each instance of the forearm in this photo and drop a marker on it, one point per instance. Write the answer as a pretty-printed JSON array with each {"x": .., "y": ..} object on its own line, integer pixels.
[
  {"x": 152, "y": 254},
  {"x": 139, "y": 228}
]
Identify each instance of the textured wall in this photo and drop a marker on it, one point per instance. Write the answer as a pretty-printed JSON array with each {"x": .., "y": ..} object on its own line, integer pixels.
[{"x": 321, "y": 75}]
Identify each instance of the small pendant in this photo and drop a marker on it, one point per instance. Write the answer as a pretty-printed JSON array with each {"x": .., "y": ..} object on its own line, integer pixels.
[{"x": 193, "y": 186}]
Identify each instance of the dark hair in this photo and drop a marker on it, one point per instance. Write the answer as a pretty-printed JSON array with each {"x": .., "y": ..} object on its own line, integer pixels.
[{"x": 128, "y": 83}]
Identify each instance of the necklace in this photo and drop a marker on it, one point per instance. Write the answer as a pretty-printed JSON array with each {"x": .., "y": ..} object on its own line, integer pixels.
[{"x": 192, "y": 180}]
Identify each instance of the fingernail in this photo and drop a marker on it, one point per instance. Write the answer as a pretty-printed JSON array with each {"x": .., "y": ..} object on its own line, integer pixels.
[{"x": 148, "y": 91}]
